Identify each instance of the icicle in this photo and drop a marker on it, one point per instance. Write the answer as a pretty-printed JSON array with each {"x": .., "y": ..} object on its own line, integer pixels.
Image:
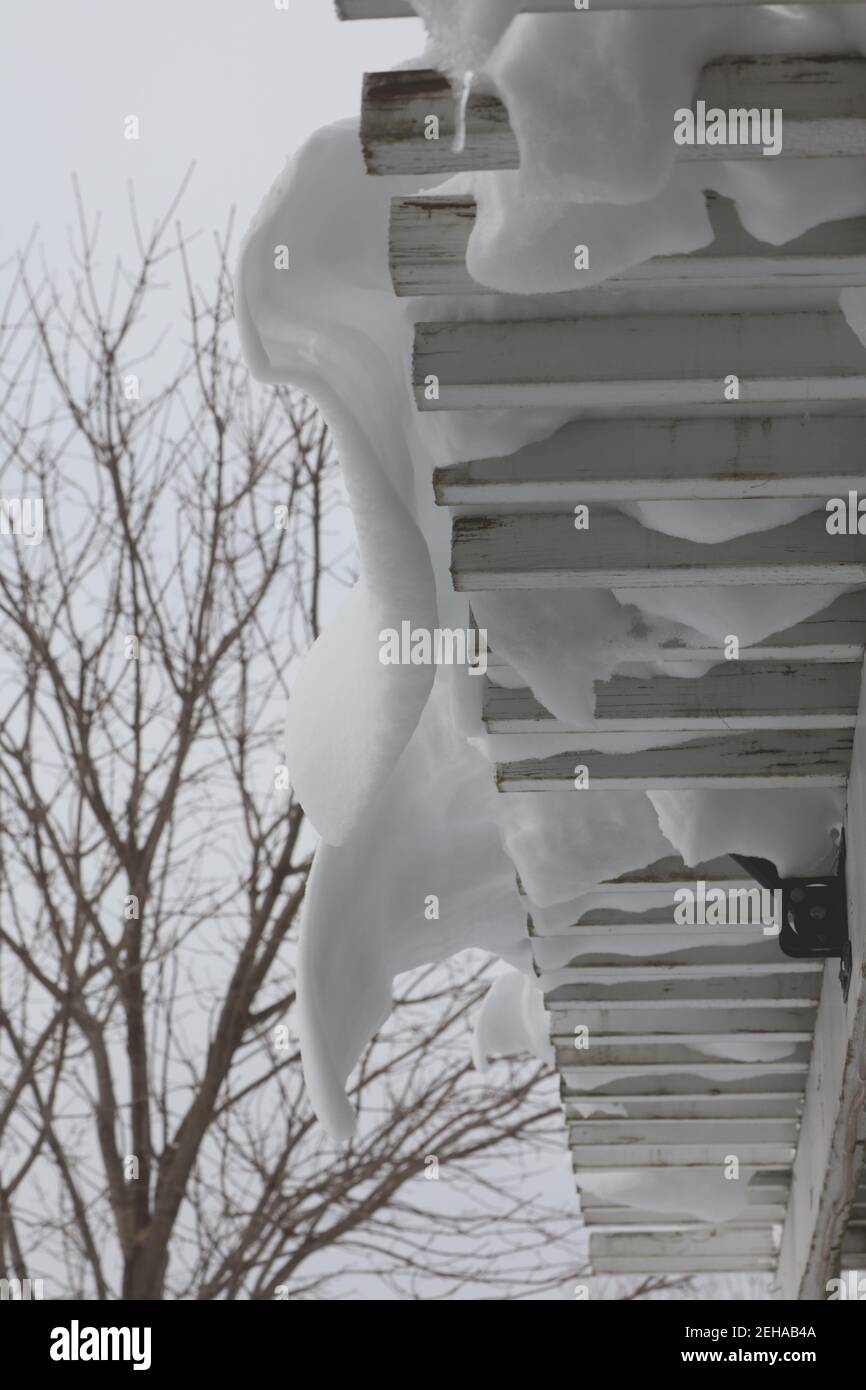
[{"x": 459, "y": 142}]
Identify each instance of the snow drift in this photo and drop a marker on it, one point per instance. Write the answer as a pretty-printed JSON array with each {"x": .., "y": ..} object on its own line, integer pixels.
[{"x": 378, "y": 754}]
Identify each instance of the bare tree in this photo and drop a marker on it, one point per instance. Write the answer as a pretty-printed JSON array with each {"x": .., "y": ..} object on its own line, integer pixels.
[
  {"x": 156, "y": 1136},
  {"x": 156, "y": 1139}
]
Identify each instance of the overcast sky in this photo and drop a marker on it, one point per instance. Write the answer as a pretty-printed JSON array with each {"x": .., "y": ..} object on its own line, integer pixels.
[{"x": 234, "y": 84}]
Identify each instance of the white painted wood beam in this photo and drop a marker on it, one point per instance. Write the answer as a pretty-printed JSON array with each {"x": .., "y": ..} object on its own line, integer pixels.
[
  {"x": 651, "y": 1074},
  {"x": 670, "y": 873},
  {"x": 633, "y": 941},
  {"x": 719, "y": 457},
  {"x": 678, "y": 1132},
  {"x": 662, "y": 361},
  {"x": 754, "y": 696},
  {"x": 716, "y": 1249},
  {"x": 738, "y": 762},
  {"x": 836, "y": 633},
  {"x": 709, "y": 1106},
  {"x": 624, "y": 1218},
  {"x": 854, "y": 1249},
  {"x": 659, "y": 973},
  {"x": 659, "y": 1050},
  {"x": 749, "y": 950},
  {"x": 593, "y": 935},
  {"x": 716, "y": 1023},
  {"x": 429, "y": 235},
  {"x": 823, "y": 101},
  {"x": 542, "y": 550},
  {"x": 402, "y": 9},
  {"x": 759, "y": 991},
  {"x": 656, "y": 1156}
]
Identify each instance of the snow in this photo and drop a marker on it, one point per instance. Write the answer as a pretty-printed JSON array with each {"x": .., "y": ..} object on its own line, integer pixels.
[
  {"x": 853, "y": 305},
  {"x": 512, "y": 1020},
  {"x": 430, "y": 831},
  {"x": 380, "y": 755},
  {"x": 707, "y": 1196},
  {"x": 795, "y": 833},
  {"x": 591, "y": 108},
  {"x": 561, "y": 847},
  {"x": 350, "y": 717},
  {"x": 736, "y": 609},
  {"x": 560, "y": 643}
]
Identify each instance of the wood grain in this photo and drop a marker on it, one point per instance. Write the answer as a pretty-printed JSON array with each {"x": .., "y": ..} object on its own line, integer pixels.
[
  {"x": 542, "y": 550},
  {"x": 793, "y": 758},
  {"x": 628, "y": 460},
  {"x": 661, "y": 361},
  {"x": 429, "y": 235},
  {"x": 823, "y": 101},
  {"x": 754, "y": 696}
]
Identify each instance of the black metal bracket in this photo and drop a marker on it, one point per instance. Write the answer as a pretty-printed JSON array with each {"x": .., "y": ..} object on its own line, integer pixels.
[{"x": 814, "y": 912}]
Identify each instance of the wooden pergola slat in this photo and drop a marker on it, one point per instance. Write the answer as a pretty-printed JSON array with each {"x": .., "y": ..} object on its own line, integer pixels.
[
  {"x": 853, "y": 1255},
  {"x": 604, "y": 1130},
  {"x": 612, "y": 1218},
  {"x": 823, "y": 101},
  {"x": 544, "y": 551},
  {"x": 775, "y": 991},
  {"x": 835, "y": 633},
  {"x": 715, "y": 1249},
  {"x": 761, "y": 1183},
  {"x": 745, "y": 950},
  {"x": 655, "y": 926},
  {"x": 742, "y": 762},
  {"x": 659, "y": 1051},
  {"x": 759, "y": 695},
  {"x": 657, "y": 974},
  {"x": 627, "y": 936},
  {"x": 657, "y": 362},
  {"x": 709, "y": 1106},
  {"x": 710, "y": 1156},
  {"x": 616, "y": 1020},
  {"x": 402, "y": 9},
  {"x": 719, "y": 456},
  {"x": 429, "y": 234},
  {"x": 670, "y": 873}
]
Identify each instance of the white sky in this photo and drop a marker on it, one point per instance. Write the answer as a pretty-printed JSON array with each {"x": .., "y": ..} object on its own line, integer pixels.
[{"x": 234, "y": 84}]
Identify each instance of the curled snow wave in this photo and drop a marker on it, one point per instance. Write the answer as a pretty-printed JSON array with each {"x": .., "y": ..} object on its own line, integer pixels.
[
  {"x": 350, "y": 717},
  {"x": 512, "y": 1020},
  {"x": 430, "y": 834}
]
